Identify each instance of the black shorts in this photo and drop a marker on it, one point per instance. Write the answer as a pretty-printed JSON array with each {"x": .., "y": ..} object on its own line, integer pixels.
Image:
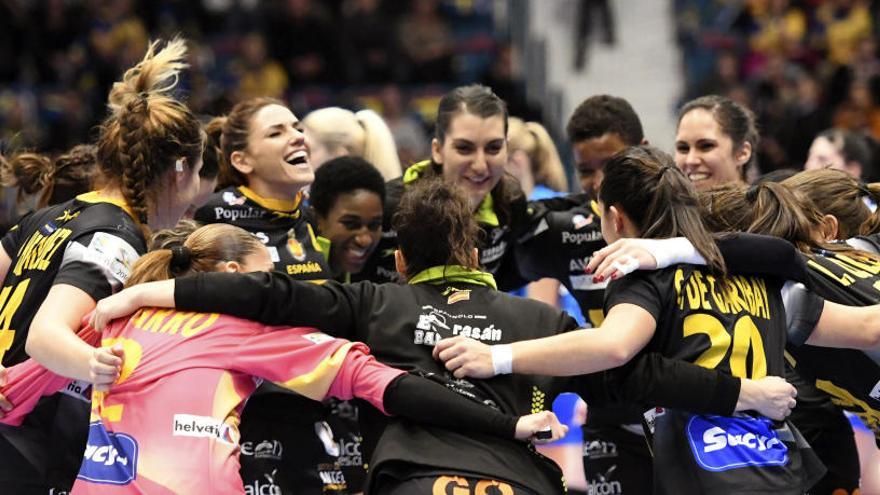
[
  {"x": 616, "y": 461},
  {"x": 289, "y": 456},
  {"x": 832, "y": 439},
  {"x": 446, "y": 484}
]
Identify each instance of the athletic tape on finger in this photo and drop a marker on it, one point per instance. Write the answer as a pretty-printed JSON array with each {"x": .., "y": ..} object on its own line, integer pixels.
[{"x": 625, "y": 264}]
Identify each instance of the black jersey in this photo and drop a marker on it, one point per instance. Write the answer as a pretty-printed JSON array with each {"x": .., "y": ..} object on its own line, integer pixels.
[
  {"x": 560, "y": 246},
  {"x": 501, "y": 229},
  {"x": 735, "y": 324},
  {"x": 91, "y": 243},
  {"x": 850, "y": 377},
  {"x": 283, "y": 226},
  {"x": 402, "y": 323},
  {"x": 85, "y": 242}
]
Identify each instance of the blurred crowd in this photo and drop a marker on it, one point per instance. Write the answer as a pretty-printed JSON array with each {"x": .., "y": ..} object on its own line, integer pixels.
[
  {"x": 802, "y": 65},
  {"x": 58, "y": 59}
]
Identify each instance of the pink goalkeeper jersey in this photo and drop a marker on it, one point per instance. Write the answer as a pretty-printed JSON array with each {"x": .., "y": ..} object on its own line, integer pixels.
[{"x": 170, "y": 423}]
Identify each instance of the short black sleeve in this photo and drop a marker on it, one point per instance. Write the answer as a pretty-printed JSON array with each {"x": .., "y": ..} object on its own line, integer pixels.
[
  {"x": 99, "y": 263},
  {"x": 637, "y": 288}
]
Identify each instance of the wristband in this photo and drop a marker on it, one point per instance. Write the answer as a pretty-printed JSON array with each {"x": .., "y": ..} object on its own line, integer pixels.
[
  {"x": 672, "y": 251},
  {"x": 502, "y": 359}
]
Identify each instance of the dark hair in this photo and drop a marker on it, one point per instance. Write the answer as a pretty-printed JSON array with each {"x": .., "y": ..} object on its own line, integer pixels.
[
  {"x": 835, "y": 192},
  {"x": 644, "y": 182},
  {"x": 212, "y": 155},
  {"x": 435, "y": 226},
  {"x": 853, "y": 146},
  {"x": 236, "y": 126},
  {"x": 783, "y": 212},
  {"x": 148, "y": 130},
  {"x": 342, "y": 175},
  {"x": 603, "y": 114},
  {"x": 772, "y": 209},
  {"x": 199, "y": 252},
  {"x": 474, "y": 99},
  {"x": 69, "y": 175},
  {"x": 778, "y": 175},
  {"x": 724, "y": 208},
  {"x": 477, "y": 100},
  {"x": 736, "y": 121}
]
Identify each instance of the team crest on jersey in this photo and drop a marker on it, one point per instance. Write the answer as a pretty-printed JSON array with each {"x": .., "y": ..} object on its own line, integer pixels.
[
  {"x": 296, "y": 249},
  {"x": 722, "y": 443},
  {"x": 458, "y": 295},
  {"x": 109, "y": 458},
  {"x": 232, "y": 199},
  {"x": 579, "y": 221}
]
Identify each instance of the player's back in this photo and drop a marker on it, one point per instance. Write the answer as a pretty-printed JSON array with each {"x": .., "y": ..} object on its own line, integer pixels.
[{"x": 170, "y": 423}]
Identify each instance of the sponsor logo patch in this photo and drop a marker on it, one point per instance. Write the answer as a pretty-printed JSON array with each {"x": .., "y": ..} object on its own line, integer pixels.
[
  {"x": 189, "y": 425},
  {"x": 721, "y": 443},
  {"x": 317, "y": 337},
  {"x": 264, "y": 449},
  {"x": 579, "y": 221},
  {"x": 109, "y": 458}
]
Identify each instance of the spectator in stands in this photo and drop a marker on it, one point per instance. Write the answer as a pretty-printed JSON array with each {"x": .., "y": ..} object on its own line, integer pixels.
[
  {"x": 259, "y": 75},
  {"x": 426, "y": 41},
  {"x": 408, "y": 130},
  {"x": 842, "y": 24},
  {"x": 371, "y": 50},
  {"x": 305, "y": 39},
  {"x": 842, "y": 150}
]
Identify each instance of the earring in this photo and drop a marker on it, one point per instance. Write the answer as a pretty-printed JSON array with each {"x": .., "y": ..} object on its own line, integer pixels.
[{"x": 178, "y": 165}]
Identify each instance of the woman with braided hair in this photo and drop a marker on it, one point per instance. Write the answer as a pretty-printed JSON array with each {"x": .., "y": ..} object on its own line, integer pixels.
[{"x": 57, "y": 261}]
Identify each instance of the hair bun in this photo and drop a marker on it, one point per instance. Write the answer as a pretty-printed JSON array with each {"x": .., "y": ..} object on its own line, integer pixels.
[{"x": 181, "y": 258}]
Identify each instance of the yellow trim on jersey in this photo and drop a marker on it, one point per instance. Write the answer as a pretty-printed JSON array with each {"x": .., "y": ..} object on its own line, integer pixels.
[
  {"x": 594, "y": 205},
  {"x": 99, "y": 197},
  {"x": 485, "y": 211},
  {"x": 316, "y": 383},
  {"x": 272, "y": 203},
  {"x": 319, "y": 247}
]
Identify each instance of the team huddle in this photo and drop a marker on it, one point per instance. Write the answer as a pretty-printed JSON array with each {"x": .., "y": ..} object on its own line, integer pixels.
[{"x": 264, "y": 305}]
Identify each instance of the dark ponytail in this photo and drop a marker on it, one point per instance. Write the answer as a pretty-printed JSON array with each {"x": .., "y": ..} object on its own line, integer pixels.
[
  {"x": 644, "y": 182},
  {"x": 435, "y": 226}
]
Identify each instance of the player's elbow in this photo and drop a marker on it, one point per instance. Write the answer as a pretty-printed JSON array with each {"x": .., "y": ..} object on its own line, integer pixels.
[{"x": 619, "y": 355}]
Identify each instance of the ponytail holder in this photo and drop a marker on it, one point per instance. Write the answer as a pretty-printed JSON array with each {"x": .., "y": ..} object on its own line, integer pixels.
[
  {"x": 752, "y": 193},
  {"x": 180, "y": 258},
  {"x": 863, "y": 188}
]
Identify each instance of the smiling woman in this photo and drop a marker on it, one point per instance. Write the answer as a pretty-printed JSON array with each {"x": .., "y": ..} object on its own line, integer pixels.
[
  {"x": 347, "y": 196},
  {"x": 469, "y": 150},
  {"x": 264, "y": 168},
  {"x": 716, "y": 141}
]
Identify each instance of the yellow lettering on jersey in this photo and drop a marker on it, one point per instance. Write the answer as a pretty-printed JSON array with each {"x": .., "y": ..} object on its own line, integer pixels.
[
  {"x": 860, "y": 261},
  {"x": 734, "y": 294},
  {"x": 37, "y": 252},
  {"x": 845, "y": 280},
  {"x": 173, "y": 324},
  {"x": 844, "y": 399},
  {"x": 677, "y": 279},
  {"x": 852, "y": 269},
  {"x": 299, "y": 268},
  {"x": 719, "y": 339},
  {"x": 10, "y": 304},
  {"x": 190, "y": 328},
  {"x": 155, "y": 322},
  {"x": 746, "y": 336},
  {"x": 140, "y": 318},
  {"x": 720, "y": 303}
]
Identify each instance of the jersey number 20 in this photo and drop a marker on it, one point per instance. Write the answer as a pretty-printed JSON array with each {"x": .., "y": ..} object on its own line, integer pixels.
[{"x": 745, "y": 336}]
